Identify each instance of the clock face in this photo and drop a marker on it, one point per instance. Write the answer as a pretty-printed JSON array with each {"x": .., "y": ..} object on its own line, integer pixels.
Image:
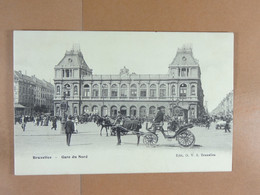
[{"x": 184, "y": 58}]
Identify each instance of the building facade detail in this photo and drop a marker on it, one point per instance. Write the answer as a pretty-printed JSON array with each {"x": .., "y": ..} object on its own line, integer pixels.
[
  {"x": 29, "y": 91},
  {"x": 225, "y": 108},
  {"x": 180, "y": 91}
]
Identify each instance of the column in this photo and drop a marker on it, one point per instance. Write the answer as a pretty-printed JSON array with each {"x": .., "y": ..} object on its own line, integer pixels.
[
  {"x": 100, "y": 90},
  {"x": 109, "y": 90},
  {"x": 158, "y": 90}
]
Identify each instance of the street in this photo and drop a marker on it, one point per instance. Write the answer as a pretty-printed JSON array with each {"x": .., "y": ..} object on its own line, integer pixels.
[
  {"x": 102, "y": 150},
  {"x": 42, "y": 138}
]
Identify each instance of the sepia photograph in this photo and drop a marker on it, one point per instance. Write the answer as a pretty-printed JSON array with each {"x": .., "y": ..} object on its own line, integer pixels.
[{"x": 108, "y": 102}]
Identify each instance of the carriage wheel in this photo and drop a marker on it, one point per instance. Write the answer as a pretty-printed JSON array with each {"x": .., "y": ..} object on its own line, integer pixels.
[
  {"x": 150, "y": 139},
  {"x": 186, "y": 139}
]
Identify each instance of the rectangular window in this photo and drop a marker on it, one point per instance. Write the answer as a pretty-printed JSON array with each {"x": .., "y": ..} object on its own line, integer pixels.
[
  {"x": 123, "y": 92},
  {"x": 143, "y": 93},
  {"x": 95, "y": 93},
  {"x": 162, "y": 92},
  {"x": 67, "y": 73},
  {"x": 86, "y": 93},
  {"x": 105, "y": 92},
  {"x": 183, "y": 93},
  {"x": 152, "y": 92},
  {"x": 133, "y": 92},
  {"x": 114, "y": 93}
]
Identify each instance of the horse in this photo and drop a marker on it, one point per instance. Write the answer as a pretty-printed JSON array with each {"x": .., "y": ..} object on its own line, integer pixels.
[
  {"x": 128, "y": 125},
  {"x": 106, "y": 123}
]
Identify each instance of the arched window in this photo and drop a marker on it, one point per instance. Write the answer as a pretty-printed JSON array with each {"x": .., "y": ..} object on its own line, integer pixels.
[
  {"x": 193, "y": 90},
  {"x": 95, "y": 109},
  {"x": 58, "y": 90},
  {"x": 123, "y": 110},
  {"x": 123, "y": 90},
  {"x": 75, "y": 90},
  {"x": 133, "y": 90},
  {"x": 86, "y": 90},
  {"x": 85, "y": 109},
  {"x": 142, "y": 111},
  {"x": 173, "y": 90},
  {"x": 151, "y": 111},
  {"x": 133, "y": 111},
  {"x": 113, "y": 111},
  {"x": 153, "y": 91},
  {"x": 163, "y": 91},
  {"x": 67, "y": 90},
  {"x": 104, "y": 111},
  {"x": 143, "y": 91},
  {"x": 114, "y": 90},
  {"x": 104, "y": 90},
  {"x": 95, "y": 90},
  {"x": 183, "y": 90}
]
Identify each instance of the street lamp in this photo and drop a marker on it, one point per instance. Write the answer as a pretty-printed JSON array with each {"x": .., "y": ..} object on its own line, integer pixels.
[{"x": 64, "y": 107}]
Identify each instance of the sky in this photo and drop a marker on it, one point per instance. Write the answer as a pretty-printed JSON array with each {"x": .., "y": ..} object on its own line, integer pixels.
[{"x": 37, "y": 52}]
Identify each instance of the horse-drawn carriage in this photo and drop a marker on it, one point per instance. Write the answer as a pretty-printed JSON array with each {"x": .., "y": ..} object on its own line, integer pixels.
[{"x": 150, "y": 138}]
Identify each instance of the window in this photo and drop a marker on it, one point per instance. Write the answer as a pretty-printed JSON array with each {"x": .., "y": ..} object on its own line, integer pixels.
[
  {"x": 183, "y": 72},
  {"x": 123, "y": 90},
  {"x": 66, "y": 93},
  {"x": 85, "y": 109},
  {"x": 162, "y": 91},
  {"x": 142, "y": 111},
  {"x": 152, "y": 111},
  {"x": 114, "y": 90},
  {"x": 153, "y": 91},
  {"x": 86, "y": 91},
  {"x": 133, "y": 90},
  {"x": 104, "y": 111},
  {"x": 75, "y": 90},
  {"x": 67, "y": 73},
  {"x": 113, "y": 111},
  {"x": 95, "y": 109},
  {"x": 95, "y": 90},
  {"x": 173, "y": 90},
  {"x": 183, "y": 90},
  {"x": 133, "y": 111},
  {"x": 75, "y": 110},
  {"x": 193, "y": 90},
  {"x": 104, "y": 90},
  {"x": 143, "y": 91}
]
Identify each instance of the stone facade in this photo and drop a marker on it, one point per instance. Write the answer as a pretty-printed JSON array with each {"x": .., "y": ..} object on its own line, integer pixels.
[
  {"x": 179, "y": 91},
  {"x": 31, "y": 91},
  {"x": 225, "y": 108}
]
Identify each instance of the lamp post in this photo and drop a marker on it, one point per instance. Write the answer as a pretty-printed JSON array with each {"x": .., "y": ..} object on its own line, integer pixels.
[{"x": 64, "y": 109}]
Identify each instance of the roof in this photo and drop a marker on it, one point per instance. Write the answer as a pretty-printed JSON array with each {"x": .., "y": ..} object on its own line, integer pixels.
[
  {"x": 16, "y": 105},
  {"x": 184, "y": 56},
  {"x": 73, "y": 58}
]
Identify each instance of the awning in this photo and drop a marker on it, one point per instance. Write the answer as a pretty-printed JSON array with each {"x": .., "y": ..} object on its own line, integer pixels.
[{"x": 16, "y": 105}]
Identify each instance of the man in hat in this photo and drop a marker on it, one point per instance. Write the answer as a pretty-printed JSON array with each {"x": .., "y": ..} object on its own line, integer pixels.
[
  {"x": 158, "y": 119},
  {"x": 69, "y": 129},
  {"x": 159, "y": 116}
]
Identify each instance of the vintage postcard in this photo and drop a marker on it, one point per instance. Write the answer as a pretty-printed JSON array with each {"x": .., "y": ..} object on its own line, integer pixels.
[{"x": 122, "y": 102}]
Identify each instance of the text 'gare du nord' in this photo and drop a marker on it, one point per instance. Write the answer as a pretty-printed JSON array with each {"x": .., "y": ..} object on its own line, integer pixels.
[{"x": 179, "y": 92}]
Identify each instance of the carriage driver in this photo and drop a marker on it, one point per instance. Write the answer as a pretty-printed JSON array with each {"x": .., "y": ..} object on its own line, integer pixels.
[{"x": 159, "y": 118}]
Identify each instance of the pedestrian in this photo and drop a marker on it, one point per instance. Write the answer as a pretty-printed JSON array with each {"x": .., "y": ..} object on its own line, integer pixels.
[
  {"x": 24, "y": 121},
  {"x": 227, "y": 126},
  {"x": 54, "y": 123},
  {"x": 69, "y": 129}
]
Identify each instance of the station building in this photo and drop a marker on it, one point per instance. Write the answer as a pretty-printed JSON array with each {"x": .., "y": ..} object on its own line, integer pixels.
[{"x": 179, "y": 91}]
